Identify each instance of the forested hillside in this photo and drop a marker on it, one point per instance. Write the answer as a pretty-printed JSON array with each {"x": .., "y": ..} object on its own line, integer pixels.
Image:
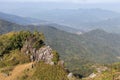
[{"x": 78, "y": 51}]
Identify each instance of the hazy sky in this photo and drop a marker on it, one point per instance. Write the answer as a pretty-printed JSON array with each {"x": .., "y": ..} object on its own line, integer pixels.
[
  {"x": 69, "y": 1},
  {"x": 23, "y": 7}
]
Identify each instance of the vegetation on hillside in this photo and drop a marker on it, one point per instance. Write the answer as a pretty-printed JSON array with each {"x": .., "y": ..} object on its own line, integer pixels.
[
  {"x": 78, "y": 51},
  {"x": 12, "y": 56},
  {"x": 16, "y": 40},
  {"x": 11, "y": 44},
  {"x": 105, "y": 72},
  {"x": 42, "y": 71},
  {"x": 15, "y": 57}
]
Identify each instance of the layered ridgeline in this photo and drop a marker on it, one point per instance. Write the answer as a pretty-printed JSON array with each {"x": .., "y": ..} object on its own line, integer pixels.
[
  {"x": 24, "y": 56},
  {"x": 83, "y": 19},
  {"x": 19, "y": 19},
  {"x": 78, "y": 51},
  {"x": 28, "y": 21}
]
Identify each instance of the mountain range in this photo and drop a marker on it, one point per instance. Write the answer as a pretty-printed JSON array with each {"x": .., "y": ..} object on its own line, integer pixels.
[
  {"x": 81, "y": 19},
  {"x": 18, "y": 19},
  {"x": 96, "y": 46},
  {"x": 32, "y": 21},
  {"x": 74, "y": 21}
]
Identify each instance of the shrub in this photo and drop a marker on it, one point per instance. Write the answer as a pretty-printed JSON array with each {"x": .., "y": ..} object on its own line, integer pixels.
[
  {"x": 47, "y": 72},
  {"x": 55, "y": 57}
]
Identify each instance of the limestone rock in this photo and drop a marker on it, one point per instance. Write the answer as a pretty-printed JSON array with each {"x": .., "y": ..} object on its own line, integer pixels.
[
  {"x": 41, "y": 54},
  {"x": 92, "y": 75},
  {"x": 70, "y": 75},
  {"x": 44, "y": 54}
]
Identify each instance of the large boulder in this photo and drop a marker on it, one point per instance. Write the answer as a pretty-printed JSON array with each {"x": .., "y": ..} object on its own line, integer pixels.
[{"x": 42, "y": 54}]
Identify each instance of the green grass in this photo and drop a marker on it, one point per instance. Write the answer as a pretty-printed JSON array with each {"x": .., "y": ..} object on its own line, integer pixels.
[
  {"x": 42, "y": 71},
  {"x": 13, "y": 58}
]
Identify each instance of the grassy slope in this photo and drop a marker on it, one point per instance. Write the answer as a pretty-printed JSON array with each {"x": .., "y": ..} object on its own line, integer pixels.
[{"x": 14, "y": 62}]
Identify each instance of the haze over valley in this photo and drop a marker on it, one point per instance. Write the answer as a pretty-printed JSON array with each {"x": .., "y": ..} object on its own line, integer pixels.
[{"x": 76, "y": 39}]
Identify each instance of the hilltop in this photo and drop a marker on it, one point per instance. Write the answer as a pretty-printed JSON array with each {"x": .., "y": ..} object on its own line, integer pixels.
[{"x": 26, "y": 53}]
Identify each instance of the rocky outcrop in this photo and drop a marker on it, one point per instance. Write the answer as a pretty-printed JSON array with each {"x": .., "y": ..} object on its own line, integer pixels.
[
  {"x": 70, "y": 76},
  {"x": 43, "y": 53},
  {"x": 92, "y": 75}
]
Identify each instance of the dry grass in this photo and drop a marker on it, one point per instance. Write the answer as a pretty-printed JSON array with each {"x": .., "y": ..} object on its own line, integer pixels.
[{"x": 16, "y": 73}]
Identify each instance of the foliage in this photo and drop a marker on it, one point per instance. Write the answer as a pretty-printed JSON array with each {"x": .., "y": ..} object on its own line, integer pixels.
[
  {"x": 47, "y": 72},
  {"x": 7, "y": 70},
  {"x": 13, "y": 58},
  {"x": 11, "y": 55},
  {"x": 112, "y": 73},
  {"x": 39, "y": 39},
  {"x": 96, "y": 46},
  {"x": 16, "y": 40},
  {"x": 55, "y": 57},
  {"x": 116, "y": 66},
  {"x": 83, "y": 71},
  {"x": 11, "y": 44}
]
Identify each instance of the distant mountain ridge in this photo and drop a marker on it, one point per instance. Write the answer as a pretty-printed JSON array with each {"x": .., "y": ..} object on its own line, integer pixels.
[
  {"x": 18, "y": 19},
  {"x": 6, "y": 26},
  {"x": 75, "y": 20},
  {"x": 96, "y": 46},
  {"x": 32, "y": 21},
  {"x": 110, "y": 25},
  {"x": 83, "y": 19}
]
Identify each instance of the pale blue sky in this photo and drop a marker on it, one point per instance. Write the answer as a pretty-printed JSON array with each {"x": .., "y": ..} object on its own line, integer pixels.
[
  {"x": 21, "y": 7},
  {"x": 69, "y": 1}
]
